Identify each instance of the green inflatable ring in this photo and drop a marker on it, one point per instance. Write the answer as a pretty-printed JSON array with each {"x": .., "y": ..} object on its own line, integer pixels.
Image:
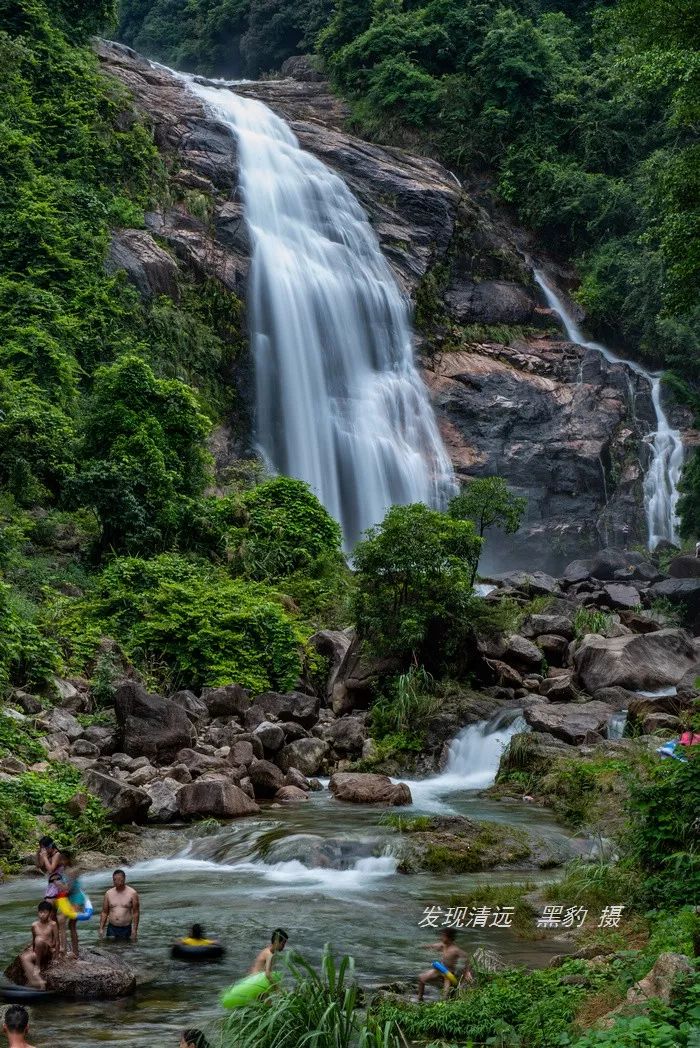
[{"x": 247, "y": 990}]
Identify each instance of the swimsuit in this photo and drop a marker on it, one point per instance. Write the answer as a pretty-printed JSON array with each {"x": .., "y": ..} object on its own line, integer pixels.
[{"x": 116, "y": 931}]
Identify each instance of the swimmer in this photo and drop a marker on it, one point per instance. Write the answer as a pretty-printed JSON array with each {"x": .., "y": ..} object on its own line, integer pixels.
[
  {"x": 263, "y": 962},
  {"x": 193, "y": 1039},
  {"x": 16, "y": 1027},
  {"x": 450, "y": 955},
  {"x": 44, "y": 947},
  {"x": 121, "y": 910}
]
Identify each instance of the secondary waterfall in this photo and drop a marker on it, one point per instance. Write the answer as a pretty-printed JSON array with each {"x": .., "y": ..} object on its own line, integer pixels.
[
  {"x": 339, "y": 401},
  {"x": 664, "y": 472}
]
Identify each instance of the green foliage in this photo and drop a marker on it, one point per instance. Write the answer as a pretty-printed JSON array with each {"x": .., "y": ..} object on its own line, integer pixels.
[
  {"x": 413, "y": 578},
  {"x": 186, "y": 622},
  {"x": 489, "y": 503},
  {"x": 588, "y": 620},
  {"x": 50, "y": 795},
  {"x": 26, "y": 657},
  {"x": 19, "y": 740},
  {"x": 409, "y": 706},
  {"x": 320, "y": 1011}
]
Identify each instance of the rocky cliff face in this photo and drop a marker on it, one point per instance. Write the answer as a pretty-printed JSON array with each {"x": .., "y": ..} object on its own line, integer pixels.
[{"x": 564, "y": 426}]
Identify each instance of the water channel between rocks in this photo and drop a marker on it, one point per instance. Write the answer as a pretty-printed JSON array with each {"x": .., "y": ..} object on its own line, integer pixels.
[{"x": 243, "y": 879}]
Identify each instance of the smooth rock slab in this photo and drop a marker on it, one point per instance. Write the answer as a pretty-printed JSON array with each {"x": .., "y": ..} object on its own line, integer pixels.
[
  {"x": 638, "y": 662},
  {"x": 368, "y": 788},
  {"x": 571, "y": 722},
  {"x": 96, "y": 975},
  {"x": 214, "y": 798}
]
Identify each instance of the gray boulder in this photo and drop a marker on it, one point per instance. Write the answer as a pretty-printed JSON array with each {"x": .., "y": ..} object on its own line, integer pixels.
[
  {"x": 291, "y": 795},
  {"x": 195, "y": 709},
  {"x": 305, "y": 754},
  {"x": 56, "y": 721},
  {"x": 573, "y": 723},
  {"x": 368, "y": 788},
  {"x": 347, "y": 735},
  {"x": 216, "y": 798},
  {"x": 266, "y": 778},
  {"x": 164, "y": 804},
  {"x": 241, "y": 753},
  {"x": 333, "y": 646},
  {"x": 96, "y": 975},
  {"x": 229, "y": 701},
  {"x": 621, "y": 596},
  {"x": 684, "y": 567},
  {"x": 540, "y": 625},
  {"x": 638, "y": 662},
  {"x": 149, "y": 725},
  {"x": 104, "y": 738},
  {"x": 534, "y": 583},
  {"x": 125, "y": 803},
  {"x": 522, "y": 652},
  {"x": 294, "y": 706},
  {"x": 271, "y": 735}
]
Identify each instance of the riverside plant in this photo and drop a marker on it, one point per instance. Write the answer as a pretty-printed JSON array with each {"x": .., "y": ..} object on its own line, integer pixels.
[{"x": 320, "y": 1011}]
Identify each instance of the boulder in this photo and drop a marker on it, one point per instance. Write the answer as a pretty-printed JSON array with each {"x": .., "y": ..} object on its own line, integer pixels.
[
  {"x": 229, "y": 701},
  {"x": 659, "y": 982},
  {"x": 271, "y": 735},
  {"x": 198, "y": 763},
  {"x": 216, "y": 798},
  {"x": 291, "y": 795},
  {"x": 241, "y": 753},
  {"x": 684, "y": 567},
  {"x": 294, "y": 706},
  {"x": 559, "y": 689},
  {"x": 164, "y": 804},
  {"x": 178, "y": 772},
  {"x": 294, "y": 731},
  {"x": 305, "y": 754},
  {"x": 541, "y": 625},
  {"x": 358, "y": 676},
  {"x": 149, "y": 725},
  {"x": 195, "y": 708},
  {"x": 104, "y": 738},
  {"x": 661, "y": 722},
  {"x": 148, "y": 266},
  {"x": 368, "y": 788},
  {"x": 607, "y": 562},
  {"x": 685, "y": 592},
  {"x": 553, "y": 647},
  {"x": 12, "y": 765},
  {"x": 503, "y": 674},
  {"x": 534, "y": 583},
  {"x": 573, "y": 723},
  {"x": 620, "y": 596},
  {"x": 267, "y": 779},
  {"x": 489, "y": 302},
  {"x": 304, "y": 68},
  {"x": 254, "y": 716},
  {"x": 83, "y": 748},
  {"x": 522, "y": 652},
  {"x": 57, "y": 721},
  {"x": 641, "y": 707},
  {"x": 142, "y": 775},
  {"x": 295, "y": 778},
  {"x": 27, "y": 703},
  {"x": 347, "y": 735},
  {"x": 577, "y": 571},
  {"x": 331, "y": 645},
  {"x": 124, "y": 803},
  {"x": 638, "y": 662},
  {"x": 96, "y": 975}
]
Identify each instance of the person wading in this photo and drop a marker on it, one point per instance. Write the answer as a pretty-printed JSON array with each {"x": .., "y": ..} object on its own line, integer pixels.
[{"x": 121, "y": 910}]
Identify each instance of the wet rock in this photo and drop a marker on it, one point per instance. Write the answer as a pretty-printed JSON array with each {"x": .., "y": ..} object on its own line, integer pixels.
[
  {"x": 229, "y": 701},
  {"x": 271, "y": 735},
  {"x": 96, "y": 975},
  {"x": 367, "y": 788},
  {"x": 573, "y": 723},
  {"x": 267, "y": 779},
  {"x": 307, "y": 755},
  {"x": 294, "y": 706},
  {"x": 149, "y": 725},
  {"x": 291, "y": 795},
  {"x": 640, "y": 662},
  {"x": 216, "y": 798},
  {"x": 164, "y": 803},
  {"x": 124, "y": 803}
]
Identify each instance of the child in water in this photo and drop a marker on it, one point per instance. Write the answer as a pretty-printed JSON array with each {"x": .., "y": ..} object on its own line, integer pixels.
[{"x": 450, "y": 955}]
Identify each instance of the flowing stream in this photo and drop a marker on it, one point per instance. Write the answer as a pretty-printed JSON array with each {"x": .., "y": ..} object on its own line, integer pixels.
[
  {"x": 339, "y": 401},
  {"x": 325, "y": 871},
  {"x": 666, "y": 447}
]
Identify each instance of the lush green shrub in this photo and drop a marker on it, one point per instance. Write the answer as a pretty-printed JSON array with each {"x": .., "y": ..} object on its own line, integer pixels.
[
  {"x": 410, "y": 704},
  {"x": 26, "y": 656},
  {"x": 19, "y": 740},
  {"x": 413, "y": 577},
  {"x": 187, "y": 622}
]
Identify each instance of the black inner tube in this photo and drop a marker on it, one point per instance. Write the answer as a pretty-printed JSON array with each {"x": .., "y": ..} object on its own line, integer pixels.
[
  {"x": 25, "y": 994},
  {"x": 211, "y": 952}
]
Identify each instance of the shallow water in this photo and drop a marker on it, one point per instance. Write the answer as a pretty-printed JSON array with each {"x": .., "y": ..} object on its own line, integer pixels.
[{"x": 244, "y": 879}]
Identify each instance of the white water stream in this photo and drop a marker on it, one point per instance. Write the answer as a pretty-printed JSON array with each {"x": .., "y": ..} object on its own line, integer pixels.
[
  {"x": 664, "y": 472},
  {"x": 339, "y": 401}
]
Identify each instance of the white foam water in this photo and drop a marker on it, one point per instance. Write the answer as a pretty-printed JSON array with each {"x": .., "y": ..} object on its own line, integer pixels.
[
  {"x": 664, "y": 473},
  {"x": 339, "y": 400}
]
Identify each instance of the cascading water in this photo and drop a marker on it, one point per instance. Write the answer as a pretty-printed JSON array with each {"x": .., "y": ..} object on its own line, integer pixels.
[
  {"x": 664, "y": 472},
  {"x": 339, "y": 401}
]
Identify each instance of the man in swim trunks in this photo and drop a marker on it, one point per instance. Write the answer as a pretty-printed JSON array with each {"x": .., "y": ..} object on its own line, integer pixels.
[
  {"x": 450, "y": 956},
  {"x": 121, "y": 911},
  {"x": 16, "y": 1026},
  {"x": 44, "y": 947},
  {"x": 263, "y": 962}
]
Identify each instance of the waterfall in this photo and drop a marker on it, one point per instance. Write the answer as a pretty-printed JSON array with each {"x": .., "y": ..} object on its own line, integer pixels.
[
  {"x": 664, "y": 472},
  {"x": 339, "y": 400}
]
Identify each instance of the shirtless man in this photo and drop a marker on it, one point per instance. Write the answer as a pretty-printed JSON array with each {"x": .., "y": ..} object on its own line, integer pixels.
[
  {"x": 450, "y": 955},
  {"x": 43, "y": 948},
  {"x": 263, "y": 962},
  {"x": 16, "y": 1026},
  {"x": 121, "y": 910}
]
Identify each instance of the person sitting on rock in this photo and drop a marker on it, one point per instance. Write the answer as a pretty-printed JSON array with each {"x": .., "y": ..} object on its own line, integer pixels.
[
  {"x": 121, "y": 910},
  {"x": 445, "y": 969},
  {"x": 16, "y": 1027},
  {"x": 44, "y": 947},
  {"x": 193, "y": 1039}
]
